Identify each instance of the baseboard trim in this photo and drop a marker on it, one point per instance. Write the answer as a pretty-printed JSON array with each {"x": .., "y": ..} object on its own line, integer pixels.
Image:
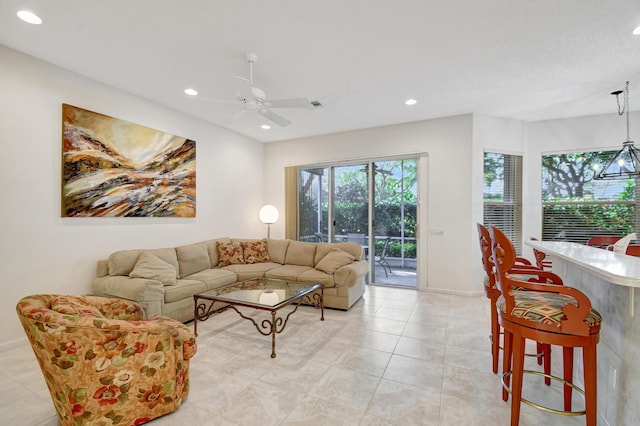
[{"x": 454, "y": 292}]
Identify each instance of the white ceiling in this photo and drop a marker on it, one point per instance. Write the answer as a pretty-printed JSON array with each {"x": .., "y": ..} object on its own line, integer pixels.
[{"x": 522, "y": 59}]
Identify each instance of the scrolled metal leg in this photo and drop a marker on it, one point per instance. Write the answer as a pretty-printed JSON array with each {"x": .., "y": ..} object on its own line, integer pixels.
[{"x": 273, "y": 334}]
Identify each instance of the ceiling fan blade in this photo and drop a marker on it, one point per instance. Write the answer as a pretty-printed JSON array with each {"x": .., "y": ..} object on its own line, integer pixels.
[
  {"x": 288, "y": 103},
  {"x": 233, "y": 117},
  {"x": 270, "y": 115},
  {"x": 204, "y": 98},
  {"x": 246, "y": 80}
]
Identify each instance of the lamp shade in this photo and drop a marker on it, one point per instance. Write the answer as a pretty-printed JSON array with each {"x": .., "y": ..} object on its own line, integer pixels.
[{"x": 269, "y": 214}]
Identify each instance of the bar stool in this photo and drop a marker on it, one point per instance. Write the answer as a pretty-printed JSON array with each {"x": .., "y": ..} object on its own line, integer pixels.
[
  {"x": 540, "y": 257},
  {"x": 550, "y": 314},
  {"x": 602, "y": 241},
  {"x": 525, "y": 270}
]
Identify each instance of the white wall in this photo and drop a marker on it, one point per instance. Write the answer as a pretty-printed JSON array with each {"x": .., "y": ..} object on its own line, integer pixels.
[
  {"x": 44, "y": 253},
  {"x": 447, "y": 142},
  {"x": 490, "y": 134}
]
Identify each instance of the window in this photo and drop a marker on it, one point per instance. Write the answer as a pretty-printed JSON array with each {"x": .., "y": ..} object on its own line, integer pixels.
[
  {"x": 575, "y": 207},
  {"x": 503, "y": 195}
]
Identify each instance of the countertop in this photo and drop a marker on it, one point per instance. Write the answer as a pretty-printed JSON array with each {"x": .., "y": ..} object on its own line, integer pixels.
[{"x": 616, "y": 268}]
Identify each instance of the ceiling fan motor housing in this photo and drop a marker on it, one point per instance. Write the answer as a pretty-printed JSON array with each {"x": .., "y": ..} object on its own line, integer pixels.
[{"x": 258, "y": 93}]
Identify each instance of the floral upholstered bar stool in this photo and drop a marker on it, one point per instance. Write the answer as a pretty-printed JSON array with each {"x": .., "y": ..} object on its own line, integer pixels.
[
  {"x": 526, "y": 271},
  {"x": 550, "y": 314}
]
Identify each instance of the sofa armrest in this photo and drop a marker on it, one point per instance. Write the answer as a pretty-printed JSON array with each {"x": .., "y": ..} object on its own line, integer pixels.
[
  {"x": 148, "y": 293},
  {"x": 349, "y": 275}
]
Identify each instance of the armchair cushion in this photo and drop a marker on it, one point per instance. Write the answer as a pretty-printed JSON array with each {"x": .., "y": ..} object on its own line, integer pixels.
[{"x": 152, "y": 267}]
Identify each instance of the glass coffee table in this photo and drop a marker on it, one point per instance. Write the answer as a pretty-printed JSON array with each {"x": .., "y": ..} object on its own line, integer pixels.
[{"x": 262, "y": 294}]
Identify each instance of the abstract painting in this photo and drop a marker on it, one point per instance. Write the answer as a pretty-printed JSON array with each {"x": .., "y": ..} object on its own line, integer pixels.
[{"x": 114, "y": 168}]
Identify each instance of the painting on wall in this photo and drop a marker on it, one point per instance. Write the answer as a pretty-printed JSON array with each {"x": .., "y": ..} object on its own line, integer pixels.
[{"x": 114, "y": 168}]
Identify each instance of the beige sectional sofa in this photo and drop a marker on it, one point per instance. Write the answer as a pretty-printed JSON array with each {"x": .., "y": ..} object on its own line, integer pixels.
[{"x": 164, "y": 280}]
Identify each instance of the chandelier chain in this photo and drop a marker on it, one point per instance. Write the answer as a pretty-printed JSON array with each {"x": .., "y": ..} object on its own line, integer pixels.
[{"x": 625, "y": 105}]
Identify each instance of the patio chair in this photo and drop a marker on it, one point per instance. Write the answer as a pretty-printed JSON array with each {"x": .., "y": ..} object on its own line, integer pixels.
[{"x": 381, "y": 257}]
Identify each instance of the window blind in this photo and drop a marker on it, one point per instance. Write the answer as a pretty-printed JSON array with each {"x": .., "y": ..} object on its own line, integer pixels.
[{"x": 503, "y": 195}]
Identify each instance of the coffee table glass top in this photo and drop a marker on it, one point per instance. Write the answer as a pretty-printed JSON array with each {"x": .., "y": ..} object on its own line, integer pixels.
[{"x": 261, "y": 291}]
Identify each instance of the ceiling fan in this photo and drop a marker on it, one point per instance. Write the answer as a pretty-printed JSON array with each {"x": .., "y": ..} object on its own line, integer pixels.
[{"x": 252, "y": 98}]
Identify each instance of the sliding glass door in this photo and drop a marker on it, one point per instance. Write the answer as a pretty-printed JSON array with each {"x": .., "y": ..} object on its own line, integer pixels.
[
  {"x": 372, "y": 203},
  {"x": 394, "y": 222},
  {"x": 350, "y": 204}
]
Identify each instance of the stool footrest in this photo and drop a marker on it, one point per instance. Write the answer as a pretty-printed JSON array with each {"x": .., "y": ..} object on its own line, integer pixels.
[
  {"x": 537, "y": 355},
  {"x": 542, "y": 407}
]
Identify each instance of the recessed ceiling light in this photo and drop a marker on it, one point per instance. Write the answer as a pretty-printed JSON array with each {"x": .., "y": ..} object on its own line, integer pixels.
[
  {"x": 410, "y": 102},
  {"x": 191, "y": 92},
  {"x": 637, "y": 30},
  {"x": 29, "y": 17},
  {"x": 265, "y": 127}
]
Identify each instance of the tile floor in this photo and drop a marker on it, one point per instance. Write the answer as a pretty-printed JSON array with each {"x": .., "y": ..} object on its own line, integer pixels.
[{"x": 398, "y": 357}]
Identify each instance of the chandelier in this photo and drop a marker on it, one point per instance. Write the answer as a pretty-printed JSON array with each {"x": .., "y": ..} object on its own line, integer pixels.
[{"x": 626, "y": 163}]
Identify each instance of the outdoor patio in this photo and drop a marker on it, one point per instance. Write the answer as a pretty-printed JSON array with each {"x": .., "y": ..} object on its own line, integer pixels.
[{"x": 399, "y": 276}]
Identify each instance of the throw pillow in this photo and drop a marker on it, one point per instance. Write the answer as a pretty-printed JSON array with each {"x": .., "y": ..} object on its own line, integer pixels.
[
  {"x": 152, "y": 267},
  {"x": 334, "y": 260},
  {"x": 229, "y": 254},
  {"x": 255, "y": 251}
]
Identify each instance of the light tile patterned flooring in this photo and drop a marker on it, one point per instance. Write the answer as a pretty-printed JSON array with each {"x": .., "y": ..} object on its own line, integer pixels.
[{"x": 398, "y": 357}]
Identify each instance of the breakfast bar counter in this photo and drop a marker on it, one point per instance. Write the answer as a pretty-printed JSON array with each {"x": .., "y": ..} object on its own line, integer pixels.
[{"x": 610, "y": 280}]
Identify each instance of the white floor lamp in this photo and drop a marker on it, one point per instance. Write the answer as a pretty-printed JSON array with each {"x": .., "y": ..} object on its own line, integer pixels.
[{"x": 269, "y": 215}]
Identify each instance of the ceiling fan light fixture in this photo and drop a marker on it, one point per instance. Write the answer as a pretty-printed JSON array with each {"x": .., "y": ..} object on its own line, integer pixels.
[
  {"x": 191, "y": 92},
  {"x": 410, "y": 102},
  {"x": 29, "y": 17}
]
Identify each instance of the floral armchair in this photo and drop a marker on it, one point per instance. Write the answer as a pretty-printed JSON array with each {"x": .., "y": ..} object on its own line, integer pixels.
[{"x": 103, "y": 363}]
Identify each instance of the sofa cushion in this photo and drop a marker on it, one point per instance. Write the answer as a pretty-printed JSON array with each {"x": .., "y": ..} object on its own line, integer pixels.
[
  {"x": 287, "y": 272},
  {"x": 212, "y": 248},
  {"x": 229, "y": 254},
  {"x": 354, "y": 249},
  {"x": 184, "y": 289},
  {"x": 315, "y": 276},
  {"x": 335, "y": 259},
  {"x": 277, "y": 250},
  {"x": 300, "y": 253},
  {"x": 192, "y": 258},
  {"x": 255, "y": 251},
  {"x": 122, "y": 262},
  {"x": 152, "y": 267},
  {"x": 251, "y": 270},
  {"x": 214, "y": 278}
]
